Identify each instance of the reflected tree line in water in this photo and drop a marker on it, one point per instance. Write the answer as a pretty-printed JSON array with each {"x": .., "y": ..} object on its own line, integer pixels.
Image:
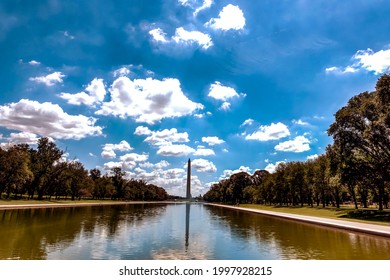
[
  {"x": 29, "y": 233},
  {"x": 44, "y": 173},
  {"x": 296, "y": 240},
  {"x": 355, "y": 168}
]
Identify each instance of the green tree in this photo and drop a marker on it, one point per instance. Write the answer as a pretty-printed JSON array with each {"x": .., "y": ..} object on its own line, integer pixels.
[
  {"x": 215, "y": 194},
  {"x": 59, "y": 181},
  {"x": 101, "y": 185},
  {"x": 280, "y": 184},
  {"x": 336, "y": 189},
  {"x": 237, "y": 183},
  {"x": 103, "y": 188},
  {"x": 361, "y": 136},
  {"x": 321, "y": 180},
  {"x": 267, "y": 190},
  {"x": 310, "y": 180},
  {"x": 251, "y": 194},
  {"x": 42, "y": 162},
  {"x": 118, "y": 182},
  {"x": 295, "y": 182},
  {"x": 15, "y": 170},
  {"x": 95, "y": 174},
  {"x": 257, "y": 188},
  {"x": 78, "y": 179}
]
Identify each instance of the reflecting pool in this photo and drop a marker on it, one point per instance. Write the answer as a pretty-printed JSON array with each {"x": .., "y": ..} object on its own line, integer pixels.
[{"x": 174, "y": 231}]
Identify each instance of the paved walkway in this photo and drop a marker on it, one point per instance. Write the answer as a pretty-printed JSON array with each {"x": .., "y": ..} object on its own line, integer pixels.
[{"x": 347, "y": 225}]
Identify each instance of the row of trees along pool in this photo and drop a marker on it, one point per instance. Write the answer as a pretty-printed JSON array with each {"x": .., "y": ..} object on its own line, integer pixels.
[
  {"x": 355, "y": 168},
  {"x": 42, "y": 173}
]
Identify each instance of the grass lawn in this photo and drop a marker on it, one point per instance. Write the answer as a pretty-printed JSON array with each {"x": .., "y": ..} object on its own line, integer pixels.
[{"x": 345, "y": 212}]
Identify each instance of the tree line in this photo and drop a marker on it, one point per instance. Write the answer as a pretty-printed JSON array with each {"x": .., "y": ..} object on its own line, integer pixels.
[
  {"x": 354, "y": 169},
  {"x": 41, "y": 173}
]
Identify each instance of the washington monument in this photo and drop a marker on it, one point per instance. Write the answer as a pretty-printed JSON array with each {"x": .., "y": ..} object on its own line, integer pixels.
[{"x": 188, "y": 196}]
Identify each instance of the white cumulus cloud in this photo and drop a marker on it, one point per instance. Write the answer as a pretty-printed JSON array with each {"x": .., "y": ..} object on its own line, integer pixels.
[
  {"x": 134, "y": 157},
  {"x": 192, "y": 37},
  {"x": 34, "y": 62},
  {"x": 162, "y": 164},
  {"x": 184, "y": 2},
  {"x": 202, "y": 151},
  {"x": 49, "y": 80},
  {"x": 46, "y": 119},
  {"x": 339, "y": 70},
  {"x": 206, "y": 4},
  {"x": 300, "y": 122},
  {"x": 176, "y": 150},
  {"x": 158, "y": 35},
  {"x": 203, "y": 165},
  {"x": 368, "y": 60},
  {"x": 297, "y": 145},
  {"x": 247, "y": 122},
  {"x": 95, "y": 93},
  {"x": 127, "y": 162},
  {"x": 166, "y": 137},
  {"x": 148, "y": 100},
  {"x": 274, "y": 131},
  {"x": 231, "y": 17},
  {"x": 142, "y": 130},
  {"x": 23, "y": 137},
  {"x": 197, "y": 5},
  {"x": 225, "y": 106},
  {"x": 173, "y": 173},
  {"x": 182, "y": 38},
  {"x": 123, "y": 71},
  {"x": 157, "y": 166},
  {"x": 377, "y": 62},
  {"x": 212, "y": 140},
  {"x": 109, "y": 149},
  {"x": 223, "y": 93}
]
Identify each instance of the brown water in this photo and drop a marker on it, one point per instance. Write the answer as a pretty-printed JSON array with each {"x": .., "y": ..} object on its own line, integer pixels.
[{"x": 174, "y": 231}]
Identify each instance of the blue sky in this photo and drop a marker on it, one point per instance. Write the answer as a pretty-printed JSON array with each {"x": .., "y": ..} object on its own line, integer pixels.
[{"x": 145, "y": 85}]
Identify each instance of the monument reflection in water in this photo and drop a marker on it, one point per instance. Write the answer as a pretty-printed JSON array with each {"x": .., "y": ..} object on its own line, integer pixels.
[
  {"x": 188, "y": 207},
  {"x": 173, "y": 231}
]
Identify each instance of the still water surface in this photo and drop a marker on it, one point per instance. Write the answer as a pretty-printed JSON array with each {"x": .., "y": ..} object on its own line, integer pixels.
[{"x": 173, "y": 231}]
